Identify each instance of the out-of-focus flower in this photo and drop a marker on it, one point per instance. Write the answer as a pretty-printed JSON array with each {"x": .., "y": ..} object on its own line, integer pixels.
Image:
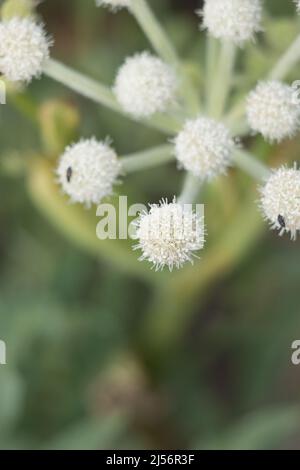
[
  {"x": 280, "y": 200},
  {"x": 273, "y": 111},
  {"x": 24, "y": 48},
  {"x": 235, "y": 20},
  {"x": 204, "y": 147},
  {"x": 145, "y": 85}
]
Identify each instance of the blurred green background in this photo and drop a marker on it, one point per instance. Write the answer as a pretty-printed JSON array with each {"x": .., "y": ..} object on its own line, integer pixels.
[{"x": 102, "y": 353}]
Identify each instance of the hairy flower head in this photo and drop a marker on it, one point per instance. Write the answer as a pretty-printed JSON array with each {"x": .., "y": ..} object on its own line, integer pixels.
[
  {"x": 170, "y": 234},
  {"x": 145, "y": 85},
  {"x": 87, "y": 171},
  {"x": 235, "y": 20},
  {"x": 24, "y": 48},
  {"x": 113, "y": 4},
  {"x": 273, "y": 111},
  {"x": 204, "y": 147},
  {"x": 280, "y": 200}
]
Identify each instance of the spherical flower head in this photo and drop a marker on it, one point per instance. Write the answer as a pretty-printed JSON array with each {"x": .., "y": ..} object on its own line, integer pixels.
[
  {"x": 24, "y": 48},
  {"x": 145, "y": 85},
  {"x": 204, "y": 147},
  {"x": 280, "y": 200},
  {"x": 87, "y": 171},
  {"x": 114, "y": 5},
  {"x": 170, "y": 234},
  {"x": 273, "y": 110},
  {"x": 234, "y": 20}
]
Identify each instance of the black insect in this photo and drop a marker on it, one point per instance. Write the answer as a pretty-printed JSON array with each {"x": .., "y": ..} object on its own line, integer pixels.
[
  {"x": 69, "y": 174},
  {"x": 281, "y": 221}
]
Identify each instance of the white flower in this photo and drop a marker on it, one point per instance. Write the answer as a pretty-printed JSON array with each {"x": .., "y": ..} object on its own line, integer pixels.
[
  {"x": 87, "y": 171},
  {"x": 280, "y": 200},
  {"x": 235, "y": 20},
  {"x": 297, "y": 5},
  {"x": 145, "y": 85},
  {"x": 204, "y": 147},
  {"x": 273, "y": 111},
  {"x": 113, "y": 4},
  {"x": 170, "y": 234},
  {"x": 24, "y": 48}
]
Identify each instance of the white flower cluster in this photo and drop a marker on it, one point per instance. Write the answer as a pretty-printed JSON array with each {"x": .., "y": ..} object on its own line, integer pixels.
[
  {"x": 145, "y": 85},
  {"x": 204, "y": 147},
  {"x": 280, "y": 200},
  {"x": 234, "y": 20},
  {"x": 298, "y": 5},
  {"x": 273, "y": 111},
  {"x": 24, "y": 48},
  {"x": 88, "y": 170},
  {"x": 113, "y": 4},
  {"x": 170, "y": 234}
]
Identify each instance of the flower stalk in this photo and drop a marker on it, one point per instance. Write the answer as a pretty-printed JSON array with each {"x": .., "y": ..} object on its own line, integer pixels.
[
  {"x": 101, "y": 94},
  {"x": 287, "y": 61},
  {"x": 250, "y": 165},
  {"x": 147, "y": 159}
]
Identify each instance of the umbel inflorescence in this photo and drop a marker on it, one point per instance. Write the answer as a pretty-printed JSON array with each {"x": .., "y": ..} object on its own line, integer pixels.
[{"x": 154, "y": 88}]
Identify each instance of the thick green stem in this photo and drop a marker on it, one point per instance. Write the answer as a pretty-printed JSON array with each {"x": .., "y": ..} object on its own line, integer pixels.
[
  {"x": 221, "y": 81},
  {"x": 81, "y": 84},
  {"x": 174, "y": 305},
  {"x": 79, "y": 225},
  {"x": 250, "y": 165},
  {"x": 147, "y": 159},
  {"x": 212, "y": 47},
  {"x": 164, "y": 48},
  {"x": 154, "y": 31},
  {"x": 287, "y": 61},
  {"x": 101, "y": 94},
  {"x": 191, "y": 189}
]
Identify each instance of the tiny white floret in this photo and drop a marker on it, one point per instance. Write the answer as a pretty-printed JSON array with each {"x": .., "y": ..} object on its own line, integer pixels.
[
  {"x": 280, "y": 200},
  {"x": 170, "y": 234},
  {"x": 88, "y": 170},
  {"x": 24, "y": 48},
  {"x": 235, "y": 20},
  {"x": 113, "y": 4},
  {"x": 145, "y": 85},
  {"x": 204, "y": 147},
  {"x": 297, "y": 5},
  {"x": 273, "y": 111}
]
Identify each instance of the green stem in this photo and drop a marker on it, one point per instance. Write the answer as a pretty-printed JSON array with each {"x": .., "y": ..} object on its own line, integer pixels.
[
  {"x": 81, "y": 84},
  {"x": 174, "y": 305},
  {"x": 164, "y": 48},
  {"x": 148, "y": 159},
  {"x": 222, "y": 79},
  {"x": 250, "y": 165},
  {"x": 79, "y": 225},
  {"x": 279, "y": 72},
  {"x": 154, "y": 31},
  {"x": 191, "y": 189},
  {"x": 212, "y": 49},
  {"x": 101, "y": 94},
  {"x": 287, "y": 61}
]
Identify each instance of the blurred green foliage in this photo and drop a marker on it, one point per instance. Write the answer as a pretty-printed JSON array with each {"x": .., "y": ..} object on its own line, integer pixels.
[{"x": 101, "y": 352}]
